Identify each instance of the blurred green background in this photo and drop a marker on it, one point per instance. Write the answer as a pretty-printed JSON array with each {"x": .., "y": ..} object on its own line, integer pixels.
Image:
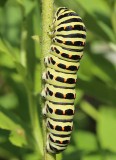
[{"x": 94, "y": 134}]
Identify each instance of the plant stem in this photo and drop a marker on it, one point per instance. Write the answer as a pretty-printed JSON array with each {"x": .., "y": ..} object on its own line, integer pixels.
[
  {"x": 23, "y": 44},
  {"x": 33, "y": 111},
  {"x": 47, "y": 18},
  {"x": 90, "y": 110},
  {"x": 35, "y": 122}
]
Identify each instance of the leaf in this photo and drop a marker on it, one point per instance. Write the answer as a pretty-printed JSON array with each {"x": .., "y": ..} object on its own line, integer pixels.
[
  {"x": 113, "y": 18},
  {"x": 95, "y": 7},
  {"x": 85, "y": 141},
  {"x": 6, "y": 59},
  {"x": 106, "y": 128},
  {"x": 79, "y": 95},
  {"x": 17, "y": 135},
  {"x": 29, "y": 7},
  {"x": 32, "y": 156},
  {"x": 93, "y": 157},
  {"x": 98, "y": 18},
  {"x": 9, "y": 101},
  {"x": 110, "y": 156},
  {"x": 99, "y": 90},
  {"x": 89, "y": 109}
]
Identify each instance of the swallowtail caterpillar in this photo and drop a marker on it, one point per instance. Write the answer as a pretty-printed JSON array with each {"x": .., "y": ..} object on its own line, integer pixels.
[{"x": 68, "y": 35}]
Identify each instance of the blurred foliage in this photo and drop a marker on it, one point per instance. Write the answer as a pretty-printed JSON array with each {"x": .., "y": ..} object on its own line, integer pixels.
[{"x": 94, "y": 135}]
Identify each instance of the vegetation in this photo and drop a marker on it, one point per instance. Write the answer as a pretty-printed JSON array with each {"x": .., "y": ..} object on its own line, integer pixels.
[{"x": 94, "y": 134}]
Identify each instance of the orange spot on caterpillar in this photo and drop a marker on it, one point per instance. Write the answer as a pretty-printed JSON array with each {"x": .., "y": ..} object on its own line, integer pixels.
[
  {"x": 70, "y": 56},
  {"x": 64, "y": 112},
  {"x": 73, "y": 42},
  {"x": 64, "y": 27},
  {"x": 54, "y": 127},
  {"x": 60, "y": 52},
  {"x": 63, "y": 42},
  {"x": 72, "y": 26},
  {"x": 62, "y": 128},
  {"x": 64, "y": 79},
  {"x": 83, "y": 43},
  {"x": 66, "y": 66},
  {"x": 64, "y": 95},
  {"x": 54, "y": 110},
  {"x": 61, "y": 142}
]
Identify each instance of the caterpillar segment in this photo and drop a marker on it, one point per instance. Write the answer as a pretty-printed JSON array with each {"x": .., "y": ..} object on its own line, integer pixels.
[
  {"x": 56, "y": 78},
  {"x": 71, "y": 43},
  {"x": 61, "y": 141},
  {"x": 57, "y": 143},
  {"x": 56, "y": 94},
  {"x": 69, "y": 16},
  {"x": 66, "y": 54},
  {"x": 72, "y": 29},
  {"x": 61, "y": 65},
  {"x": 68, "y": 36},
  {"x": 52, "y": 148},
  {"x": 59, "y": 127},
  {"x": 54, "y": 111}
]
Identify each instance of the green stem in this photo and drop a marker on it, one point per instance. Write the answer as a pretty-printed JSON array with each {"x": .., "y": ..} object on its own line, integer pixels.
[
  {"x": 33, "y": 111},
  {"x": 23, "y": 45},
  {"x": 47, "y": 18},
  {"x": 35, "y": 122},
  {"x": 90, "y": 110}
]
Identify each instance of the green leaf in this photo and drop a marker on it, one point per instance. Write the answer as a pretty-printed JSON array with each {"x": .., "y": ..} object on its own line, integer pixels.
[
  {"x": 79, "y": 95},
  {"x": 9, "y": 101},
  {"x": 17, "y": 137},
  {"x": 106, "y": 128},
  {"x": 10, "y": 123},
  {"x": 29, "y": 6},
  {"x": 110, "y": 156},
  {"x": 98, "y": 18},
  {"x": 95, "y": 7},
  {"x": 6, "y": 59},
  {"x": 113, "y": 18},
  {"x": 32, "y": 156},
  {"x": 85, "y": 140},
  {"x": 93, "y": 157},
  {"x": 21, "y": 69},
  {"x": 90, "y": 110},
  {"x": 99, "y": 90}
]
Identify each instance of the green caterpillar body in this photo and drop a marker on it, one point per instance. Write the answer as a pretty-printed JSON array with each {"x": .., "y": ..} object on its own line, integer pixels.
[
  {"x": 60, "y": 79},
  {"x": 68, "y": 36}
]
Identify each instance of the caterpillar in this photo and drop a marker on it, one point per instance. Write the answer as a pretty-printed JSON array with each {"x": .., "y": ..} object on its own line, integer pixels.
[{"x": 68, "y": 35}]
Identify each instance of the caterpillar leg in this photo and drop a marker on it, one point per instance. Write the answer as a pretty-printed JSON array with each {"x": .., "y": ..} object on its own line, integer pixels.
[
  {"x": 51, "y": 34},
  {"x": 44, "y": 76},
  {"x": 46, "y": 60},
  {"x": 44, "y": 111},
  {"x": 43, "y": 93}
]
